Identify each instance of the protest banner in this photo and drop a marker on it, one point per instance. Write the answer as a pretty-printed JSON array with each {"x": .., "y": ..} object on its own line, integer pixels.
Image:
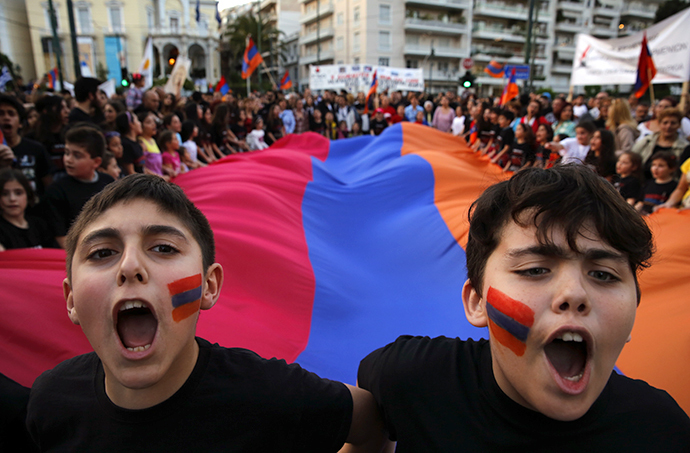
[{"x": 356, "y": 78}]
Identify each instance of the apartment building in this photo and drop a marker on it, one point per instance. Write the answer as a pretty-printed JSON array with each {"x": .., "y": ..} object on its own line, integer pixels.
[
  {"x": 15, "y": 39},
  {"x": 111, "y": 34},
  {"x": 283, "y": 15}
]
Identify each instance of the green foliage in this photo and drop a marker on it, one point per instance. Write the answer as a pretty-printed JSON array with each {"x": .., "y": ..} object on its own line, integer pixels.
[
  {"x": 669, "y": 8},
  {"x": 101, "y": 71}
]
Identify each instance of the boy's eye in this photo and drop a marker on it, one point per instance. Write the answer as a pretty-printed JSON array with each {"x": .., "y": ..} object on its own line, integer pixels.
[
  {"x": 534, "y": 272},
  {"x": 603, "y": 276},
  {"x": 164, "y": 248},
  {"x": 101, "y": 254}
]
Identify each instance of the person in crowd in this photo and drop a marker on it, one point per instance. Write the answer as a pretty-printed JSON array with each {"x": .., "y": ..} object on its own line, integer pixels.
[
  {"x": 331, "y": 126},
  {"x": 574, "y": 149},
  {"x": 325, "y": 104},
  {"x": 21, "y": 152},
  {"x": 680, "y": 197},
  {"x": 565, "y": 126},
  {"x": 421, "y": 119},
  {"x": 31, "y": 121},
  {"x": 523, "y": 152},
  {"x": 286, "y": 116},
  {"x": 378, "y": 124},
  {"x": 173, "y": 123},
  {"x": 169, "y": 146},
  {"x": 275, "y": 129},
  {"x": 301, "y": 116},
  {"x": 113, "y": 145},
  {"x": 414, "y": 108},
  {"x": 457, "y": 128},
  {"x": 153, "y": 160},
  {"x": 133, "y": 158},
  {"x": 50, "y": 130},
  {"x": 221, "y": 134},
  {"x": 109, "y": 165},
  {"x": 399, "y": 115},
  {"x": 601, "y": 157},
  {"x": 385, "y": 105},
  {"x": 504, "y": 140},
  {"x": 629, "y": 176},
  {"x": 135, "y": 94},
  {"x": 168, "y": 105},
  {"x": 641, "y": 112},
  {"x": 621, "y": 123},
  {"x": 486, "y": 131},
  {"x": 87, "y": 100},
  {"x": 64, "y": 199},
  {"x": 532, "y": 118},
  {"x": 238, "y": 128},
  {"x": 188, "y": 133},
  {"x": 206, "y": 138},
  {"x": 602, "y": 119},
  {"x": 343, "y": 132},
  {"x": 150, "y": 103},
  {"x": 443, "y": 116},
  {"x": 429, "y": 112},
  {"x": 345, "y": 112},
  {"x": 356, "y": 130},
  {"x": 255, "y": 139},
  {"x": 652, "y": 126},
  {"x": 111, "y": 109},
  {"x": 666, "y": 139},
  {"x": 596, "y": 102},
  {"x": 309, "y": 105},
  {"x": 17, "y": 229},
  {"x": 657, "y": 191},
  {"x": 543, "y": 136},
  {"x": 317, "y": 124}
]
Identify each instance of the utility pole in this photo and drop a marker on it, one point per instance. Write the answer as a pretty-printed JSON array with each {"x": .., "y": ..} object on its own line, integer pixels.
[
  {"x": 258, "y": 36},
  {"x": 318, "y": 30},
  {"x": 528, "y": 42},
  {"x": 73, "y": 36},
  {"x": 56, "y": 42},
  {"x": 431, "y": 67}
]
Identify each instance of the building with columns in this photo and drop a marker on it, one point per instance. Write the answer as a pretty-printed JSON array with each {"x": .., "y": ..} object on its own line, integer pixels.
[{"x": 111, "y": 35}]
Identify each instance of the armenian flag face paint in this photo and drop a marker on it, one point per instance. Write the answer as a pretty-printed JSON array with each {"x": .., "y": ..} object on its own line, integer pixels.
[
  {"x": 186, "y": 296},
  {"x": 509, "y": 320}
]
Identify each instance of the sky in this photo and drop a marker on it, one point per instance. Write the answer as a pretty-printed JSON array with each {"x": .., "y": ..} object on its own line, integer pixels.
[{"x": 223, "y": 4}]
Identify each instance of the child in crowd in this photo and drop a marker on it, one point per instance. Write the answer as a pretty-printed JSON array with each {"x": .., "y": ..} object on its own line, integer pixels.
[
  {"x": 109, "y": 165},
  {"x": 113, "y": 144},
  {"x": 255, "y": 139},
  {"x": 129, "y": 127},
  {"x": 169, "y": 146},
  {"x": 316, "y": 124},
  {"x": 601, "y": 157},
  {"x": 356, "y": 129},
  {"x": 188, "y": 133},
  {"x": 331, "y": 126},
  {"x": 505, "y": 139},
  {"x": 153, "y": 159},
  {"x": 140, "y": 267},
  {"x": 522, "y": 153},
  {"x": 658, "y": 190},
  {"x": 342, "y": 130},
  {"x": 378, "y": 124},
  {"x": 544, "y": 135},
  {"x": 419, "y": 119},
  {"x": 629, "y": 171},
  {"x": 552, "y": 262},
  {"x": 18, "y": 230},
  {"x": 574, "y": 149},
  {"x": 84, "y": 147}
]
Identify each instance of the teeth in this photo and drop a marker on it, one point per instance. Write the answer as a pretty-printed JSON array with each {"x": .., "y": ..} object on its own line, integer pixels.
[
  {"x": 576, "y": 378},
  {"x": 130, "y": 305},
  {"x": 571, "y": 336},
  {"x": 140, "y": 348}
]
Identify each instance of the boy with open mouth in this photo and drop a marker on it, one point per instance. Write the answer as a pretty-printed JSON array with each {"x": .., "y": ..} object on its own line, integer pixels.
[
  {"x": 140, "y": 267},
  {"x": 552, "y": 262}
]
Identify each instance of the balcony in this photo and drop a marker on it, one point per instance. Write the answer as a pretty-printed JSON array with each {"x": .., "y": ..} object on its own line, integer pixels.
[
  {"x": 324, "y": 33},
  {"x": 434, "y": 26},
  {"x": 497, "y": 32},
  {"x": 607, "y": 11},
  {"x": 443, "y": 75},
  {"x": 504, "y": 55},
  {"x": 452, "y": 4},
  {"x": 326, "y": 57},
  {"x": 565, "y": 51},
  {"x": 638, "y": 10},
  {"x": 604, "y": 31},
  {"x": 562, "y": 68},
  {"x": 324, "y": 11},
  {"x": 572, "y": 6},
  {"x": 266, "y": 3},
  {"x": 439, "y": 52},
  {"x": 571, "y": 27},
  {"x": 519, "y": 11}
]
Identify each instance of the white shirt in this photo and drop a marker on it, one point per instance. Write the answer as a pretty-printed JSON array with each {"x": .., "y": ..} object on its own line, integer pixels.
[
  {"x": 579, "y": 110},
  {"x": 573, "y": 151}
]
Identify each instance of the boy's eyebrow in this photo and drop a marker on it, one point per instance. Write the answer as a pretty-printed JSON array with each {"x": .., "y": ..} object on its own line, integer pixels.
[
  {"x": 590, "y": 254},
  {"x": 103, "y": 233},
  {"x": 149, "y": 230},
  {"x": 152, "y": 230}
]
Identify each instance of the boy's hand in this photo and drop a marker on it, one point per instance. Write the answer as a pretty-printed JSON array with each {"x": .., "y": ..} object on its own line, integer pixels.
[{"x": 6, "y": 156}]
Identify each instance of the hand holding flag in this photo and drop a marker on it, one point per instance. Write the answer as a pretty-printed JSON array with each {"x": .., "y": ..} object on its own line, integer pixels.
[
  {"x": 645, "y": 69},
  {"x": 251, "y": 60},
  {"x": 285, "y": 82},
  {"x": 372, "y": 90},
  {"x": 511, "y": 90}
]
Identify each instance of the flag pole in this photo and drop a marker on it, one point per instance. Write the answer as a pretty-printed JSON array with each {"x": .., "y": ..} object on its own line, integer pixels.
[
  {"x": 684, "y": 96},
  {"x": 248, "y": 89},
  {"x": 569, "y": 99},
  {"x": 651, "y": 85},
  {"x": 269, "y": 73}
]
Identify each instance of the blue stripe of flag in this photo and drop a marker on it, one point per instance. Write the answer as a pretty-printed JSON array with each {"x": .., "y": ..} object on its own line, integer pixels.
[
  {"x": 186, "y": 297},
  {"x": 507, "y": 323}
]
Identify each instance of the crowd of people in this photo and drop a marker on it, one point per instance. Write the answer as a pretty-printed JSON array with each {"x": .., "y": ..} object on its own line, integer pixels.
[{"x": 58, "y": 149}]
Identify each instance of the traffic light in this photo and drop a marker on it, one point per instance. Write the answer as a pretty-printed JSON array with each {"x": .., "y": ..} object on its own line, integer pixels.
[
  {"x": 467, "y": 80},
  {"x": 124, "y": 81}
]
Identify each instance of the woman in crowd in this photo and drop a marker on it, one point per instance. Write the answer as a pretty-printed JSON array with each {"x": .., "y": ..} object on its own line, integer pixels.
[
  {"x": 188, "y": 133},
  {"x": 29, "y": 125},
  {"x": 622, "y": 124},
  {"x": 275, "y": 130},
  {"x": 17, "y": 230},
  {"x": 443, "y": 116},
  {"x": 50, "y": 130},
  {"x": 129, "y": 127},
  {"x": 602, "y": 154},
  {"x": 147, "y": 138},
  {"x": 168, "y": 104},
  {"x": 565, "y": 126},
  {"x": 301, "y": 116},
  {"x": 652, "y": 126},
  {"x": 111, "y": 109},
  {"x": 543, "y": 136},
  {"x": 667, "y": 139},
  {"x": 206, "y": 139}
]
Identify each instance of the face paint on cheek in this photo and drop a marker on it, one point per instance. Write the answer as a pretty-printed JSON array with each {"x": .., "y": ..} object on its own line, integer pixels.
[
  {"x": 186, "y": 297},
  {"x": 509, "y": 320}
]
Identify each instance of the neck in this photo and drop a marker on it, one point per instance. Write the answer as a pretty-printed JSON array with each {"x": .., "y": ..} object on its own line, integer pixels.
[
  {"x": 13, "y": 139},
  {"x": 18, "y": 221},
  {"x": 84, "y": 106}
]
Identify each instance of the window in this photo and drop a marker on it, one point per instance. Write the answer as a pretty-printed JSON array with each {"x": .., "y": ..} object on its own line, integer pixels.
[
  {"x": 340, "y": 43},
  {"x": 384, "y": 61},
  {"x": 356, "y": 60},
  {"x": 412, "y": 64},
  {"x": 149, "y": 18},
  {"x": 385, "y": 14},
  {"x": 443, "y": 66},
  {"x": 115, "y": 14},
  {"x": 340, "y": 20},
  {"x": 46, "y": 11},
  {"x": 355, "y": 15},
  {"x": 412, "y": 39},
  {"x": 174, "y": 25},
  {"x": 384, "y": 40},
  {"x": 84, "y": 19},
  {"x": 355, "y": 42}
]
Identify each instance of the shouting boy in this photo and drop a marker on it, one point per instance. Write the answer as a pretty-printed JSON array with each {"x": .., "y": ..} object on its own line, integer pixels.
[
  {"x": 140, "y": 266},
  {"x": 552, "y": 262}
]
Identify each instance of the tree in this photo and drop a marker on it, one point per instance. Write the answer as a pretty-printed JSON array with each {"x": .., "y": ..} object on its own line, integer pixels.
[
  {"x": 236, "y": 37},
  {"x": 669, "y": 8}
]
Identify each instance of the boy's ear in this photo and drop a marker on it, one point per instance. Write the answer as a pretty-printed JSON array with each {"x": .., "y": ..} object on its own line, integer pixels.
[
  {"x": 97, "y": 161},
  {"x": 475, "y": 311},
  {"x": 214, "y": 283},
  {"x": 69, "y": 298}
]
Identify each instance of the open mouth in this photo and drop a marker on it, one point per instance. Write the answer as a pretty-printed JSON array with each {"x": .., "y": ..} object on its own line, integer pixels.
[
  {"x": 568, "y": 355},
  {"x": 136, "y": 326}
]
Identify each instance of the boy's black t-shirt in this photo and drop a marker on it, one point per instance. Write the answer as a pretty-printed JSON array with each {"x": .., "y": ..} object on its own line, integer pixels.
[
  {"x": 628, "y": 187},
  {"x": 234, "y": 401},
  {"x": 655, "y": 194},
  {"x": 506, "y": 137},
  {"x": 377, "y": 126},
  {"x": 13, "y": 434},
  {"x": 131, "y": 154},
  {"x": 37, "y": 235},
  {"x": 440, "y": 395},
  {"x": 34, "y": 162}
]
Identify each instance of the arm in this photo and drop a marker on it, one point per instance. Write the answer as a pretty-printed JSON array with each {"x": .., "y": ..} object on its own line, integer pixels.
[
  {"x": 676, "y": 195},
  {"x": 367, "y": 432},
  {"x": 6, "y": 156},
  {"x": 503, "y": 151}
]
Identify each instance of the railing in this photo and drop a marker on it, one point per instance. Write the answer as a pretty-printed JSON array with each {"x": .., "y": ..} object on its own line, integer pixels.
[
  {"x": 435, "y": 24},
  {"x": 520, "y": 9}
]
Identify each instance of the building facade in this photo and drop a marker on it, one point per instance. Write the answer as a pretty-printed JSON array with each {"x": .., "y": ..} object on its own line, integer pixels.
[{"x": 15, "y": 39}]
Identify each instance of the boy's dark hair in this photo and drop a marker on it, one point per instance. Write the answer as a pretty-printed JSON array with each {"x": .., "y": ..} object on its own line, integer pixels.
[
  {"x": 636, "y": 161},
  {"x": 85, "y": 86},
  {"x": 169, "y": 198},
  {"x": 565, "y": 196},
  {"x": 89, "y": 137},
  {"x": 13, "y": 174},
  {"x": 588, "y": 126},
  {"x": 15, "y": 104},
  {"x": 507, "y": 114},
  {"x": 187, "y": 130},
  {"x": 666, "y": 156},
  {"x": 107, "y": 157},
  {"x": 164, "y": 138},
  {"x": 167, "y": 119}
]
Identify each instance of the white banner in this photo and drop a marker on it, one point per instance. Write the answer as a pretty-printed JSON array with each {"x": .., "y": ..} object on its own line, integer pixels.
[
  {"x": 614, "y": 61},
  {"x": 146, "y": 66},
  {"x": 356, "y": 78}
]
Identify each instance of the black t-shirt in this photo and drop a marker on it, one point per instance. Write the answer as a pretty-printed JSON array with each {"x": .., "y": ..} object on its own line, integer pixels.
[
  {"x": 34, "y": 162},
  {"x": 233, "y": 401},
  {"x": 521, "y": 154},
  {"x": 440, "y": 395},
  {"x": 628, "y": 187},
  {"x": 54, "y": 143},
  {"x": 131, "y": 154},
  {"x": 655, "y": 194},
  {"x": 13, "y": 434},
  {"x": 77, "y": 115},
  {"x": 505, "y": 137},
  {"x": 377, "y": 126},
  {"x": 318, "y": 127},
  {"x": 37, "y": 235},
  {"x": 647, "y": 167},
  {"x": 64, "y": 199}
]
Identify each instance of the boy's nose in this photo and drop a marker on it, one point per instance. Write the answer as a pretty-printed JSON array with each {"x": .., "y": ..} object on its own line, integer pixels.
[
  {"x": 571, "y": 295},
  {"x": 132, "y": 268}
]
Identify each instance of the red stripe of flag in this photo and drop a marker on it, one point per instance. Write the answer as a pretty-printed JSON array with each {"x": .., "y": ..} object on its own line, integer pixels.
[
  {"x": 285, "y": 82},
  {"x": 251, "y": 60},
  {"x": 184, "y": 284},
  {"x": 645, "y": 69},
  {"x": 372, "y": 90}
]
